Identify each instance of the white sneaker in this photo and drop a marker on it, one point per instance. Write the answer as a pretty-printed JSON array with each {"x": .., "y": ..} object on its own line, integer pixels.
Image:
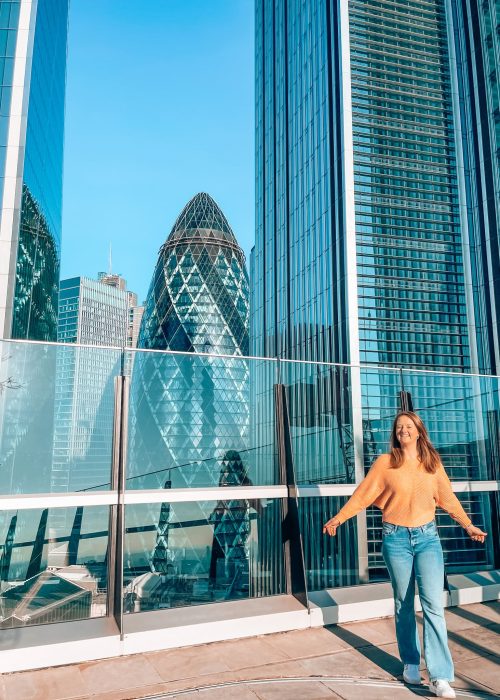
[
  {"x": 442, "y": 689},
  {"x": 411, "y": 674}
]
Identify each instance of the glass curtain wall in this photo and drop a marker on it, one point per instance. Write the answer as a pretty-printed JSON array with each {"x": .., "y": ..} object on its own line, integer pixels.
[{"x": 39, "y": 247}]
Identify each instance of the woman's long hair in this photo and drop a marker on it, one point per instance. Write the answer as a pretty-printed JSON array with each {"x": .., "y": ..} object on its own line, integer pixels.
[{"x": 427, "y": 454}]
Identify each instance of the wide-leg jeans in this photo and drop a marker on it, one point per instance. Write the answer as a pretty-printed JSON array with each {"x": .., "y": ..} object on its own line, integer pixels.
[{"x": 414, "y": 555}]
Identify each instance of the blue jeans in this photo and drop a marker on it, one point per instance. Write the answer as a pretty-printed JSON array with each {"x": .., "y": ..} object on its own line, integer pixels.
[{"x": 414, "y": 554}]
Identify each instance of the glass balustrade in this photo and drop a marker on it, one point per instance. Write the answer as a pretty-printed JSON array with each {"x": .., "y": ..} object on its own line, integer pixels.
[{"x": 102, "y": 446}]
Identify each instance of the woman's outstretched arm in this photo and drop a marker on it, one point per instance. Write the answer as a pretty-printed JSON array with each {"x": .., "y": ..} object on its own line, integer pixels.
[{"x": 365, "y": 494}]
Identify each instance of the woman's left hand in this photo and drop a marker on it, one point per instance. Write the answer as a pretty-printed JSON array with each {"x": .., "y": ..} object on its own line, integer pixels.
[{"x": 476, "y": 534}]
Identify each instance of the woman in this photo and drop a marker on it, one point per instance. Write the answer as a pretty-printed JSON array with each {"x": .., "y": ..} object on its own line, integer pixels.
[{"x": 406, "y": 485}]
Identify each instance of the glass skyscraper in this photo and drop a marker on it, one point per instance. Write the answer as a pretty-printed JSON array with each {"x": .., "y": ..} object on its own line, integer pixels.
[
  {"x": 33, "y": 41},
  {"x": 198, "y": 302},
  {"x": 189, "y": 422},
  {"x": 373, "y": 185},
  {"x": 91, "y": 312}
]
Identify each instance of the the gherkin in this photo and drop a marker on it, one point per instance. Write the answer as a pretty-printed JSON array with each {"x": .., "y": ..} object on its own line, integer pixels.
[
  {"x": 199, "y": 297},
  {"x": 189, "y": 414}
]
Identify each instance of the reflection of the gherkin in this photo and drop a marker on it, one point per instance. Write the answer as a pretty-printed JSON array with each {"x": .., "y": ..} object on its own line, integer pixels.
[{"x": 207, "y": 552}]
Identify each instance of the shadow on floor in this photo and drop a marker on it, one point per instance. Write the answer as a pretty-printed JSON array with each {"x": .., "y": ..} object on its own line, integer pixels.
[
  {"x": 475, "y": 618},
  {"x": 461, "y": 637},
  {"x": 387, "y": 662}
]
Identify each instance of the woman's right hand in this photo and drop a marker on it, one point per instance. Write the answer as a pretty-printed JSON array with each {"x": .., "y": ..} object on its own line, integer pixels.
[
  {"x": 330, "y": 528},
  {"x": 475, "y": 533}
]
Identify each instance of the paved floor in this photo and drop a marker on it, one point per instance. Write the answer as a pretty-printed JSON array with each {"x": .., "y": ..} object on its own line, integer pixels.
[{"x": 349, "y": 662}]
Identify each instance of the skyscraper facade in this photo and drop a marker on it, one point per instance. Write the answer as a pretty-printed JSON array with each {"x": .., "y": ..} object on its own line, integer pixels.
[
  {"x": 91, "y": 313},
  {"x": 477, "y": 54},
  {"x": 189, "y": 420},
  {"x": 33, "y": 42},
  {"x": 371, "y": 187}
]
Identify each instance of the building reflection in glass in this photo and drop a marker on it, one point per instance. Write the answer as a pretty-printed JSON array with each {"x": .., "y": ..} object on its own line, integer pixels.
[{"x": 50, "y": 572}]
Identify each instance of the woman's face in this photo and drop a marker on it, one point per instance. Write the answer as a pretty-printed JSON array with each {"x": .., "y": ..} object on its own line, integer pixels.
[{"x": 406, "y": 431}]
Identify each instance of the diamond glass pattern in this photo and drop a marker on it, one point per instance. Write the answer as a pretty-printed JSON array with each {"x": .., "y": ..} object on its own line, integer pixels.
[{"x": 189, "y": 414}]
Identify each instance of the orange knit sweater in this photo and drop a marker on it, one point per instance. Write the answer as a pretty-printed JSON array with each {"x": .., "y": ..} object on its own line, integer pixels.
[{"x": 407, "y": 496}]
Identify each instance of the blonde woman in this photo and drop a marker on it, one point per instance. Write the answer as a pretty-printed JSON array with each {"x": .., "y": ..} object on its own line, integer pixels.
[{"x": 407, "y": 484}]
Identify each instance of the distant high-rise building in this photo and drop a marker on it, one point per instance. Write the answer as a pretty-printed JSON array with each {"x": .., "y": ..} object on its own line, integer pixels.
[
  {"x": 135, "y": 314},
  {"x": 90, "y": 313},
  {"x": 377, "y": 237},
  {"x": 94, "y": 312},
  {"x": 190, "y": 420},
  {"x": 33, "y": 45}
]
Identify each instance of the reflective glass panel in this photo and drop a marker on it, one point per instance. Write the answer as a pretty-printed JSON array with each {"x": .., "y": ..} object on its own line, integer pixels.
[
  {"x": 56, "y": 417},
  {"x": 183, "y": 554},
  {"x": 330, "y": 562},
  {"x": 319, "y": 410},
  {"x": 380, "y": 399},
  {"x": 200, "y": 420},
  {"x": 53, "y": 565},
  {"x": 462, "y": 415}
]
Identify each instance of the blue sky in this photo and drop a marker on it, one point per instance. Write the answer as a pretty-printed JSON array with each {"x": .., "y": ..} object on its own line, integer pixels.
[{"x": 159, "y": 106}]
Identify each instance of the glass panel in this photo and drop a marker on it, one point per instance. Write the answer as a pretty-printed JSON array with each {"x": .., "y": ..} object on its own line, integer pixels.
[
  {"x": 200, "y": 420},
  {"x": 183, "y": 554},
  {"x": 53, "y": 565},
  {"x": 319, "y": 407},
  {"x": 461, "y": 554},
  {"x": 380, "y": 400},
  {"x": 56, "y": 417},
  {"x": 462, "y": 415},
  {"x": 330, "y": 561}
]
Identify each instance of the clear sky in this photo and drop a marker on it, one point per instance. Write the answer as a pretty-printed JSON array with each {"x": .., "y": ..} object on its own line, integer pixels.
[{"x": 159, "y": 106}]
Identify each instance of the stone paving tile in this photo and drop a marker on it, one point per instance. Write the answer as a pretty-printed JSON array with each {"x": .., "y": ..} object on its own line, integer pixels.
[
  {"x": 285, "y": 669},
  {"x": 192, "y": 662},
  {"x": 345, "y": 663},
  {"x": 371, "y": 631},
  {"x": 304, "y": 690},
  {"x": 358, "y": 691},
  {"x": 384, "y": 658},
  {"x": 480, "y": 640},
  {"x": 457, "y": 623},
  {"x": 129, "y": 693},
  {"x": 477, "y": 613},
  {"x": 304, "y": 643},
  {"x": 487, "y": 672},
  {"x": 53, "y": 683},
  {"x": 230, "y": 693},
  {"x": 240, "y": 653},
  {"x": 119, "y": 674}
]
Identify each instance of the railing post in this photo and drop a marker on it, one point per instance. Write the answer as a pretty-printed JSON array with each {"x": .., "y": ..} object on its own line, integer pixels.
[
  {"x": 296, "y": 583},
  {"x": 117, "y": 514}
]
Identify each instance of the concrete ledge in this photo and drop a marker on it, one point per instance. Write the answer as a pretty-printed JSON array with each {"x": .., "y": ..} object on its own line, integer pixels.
[
  {"x": 56, "y": 644},
  {"x": 476, "y": 587},
  {"x": 213, "y": 623},
  {"x": 371, "y": 601}
]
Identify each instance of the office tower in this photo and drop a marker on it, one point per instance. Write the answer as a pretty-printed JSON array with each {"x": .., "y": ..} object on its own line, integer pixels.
[
  {"x": 369, "y": 247},
  {"x": 189, "y": 413},
  {"x": 135, "y": 314},
  {"x": 91, "y": 313},
  {"x": 477, "y": 54},
  {"x": 33, "y": 39}
]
